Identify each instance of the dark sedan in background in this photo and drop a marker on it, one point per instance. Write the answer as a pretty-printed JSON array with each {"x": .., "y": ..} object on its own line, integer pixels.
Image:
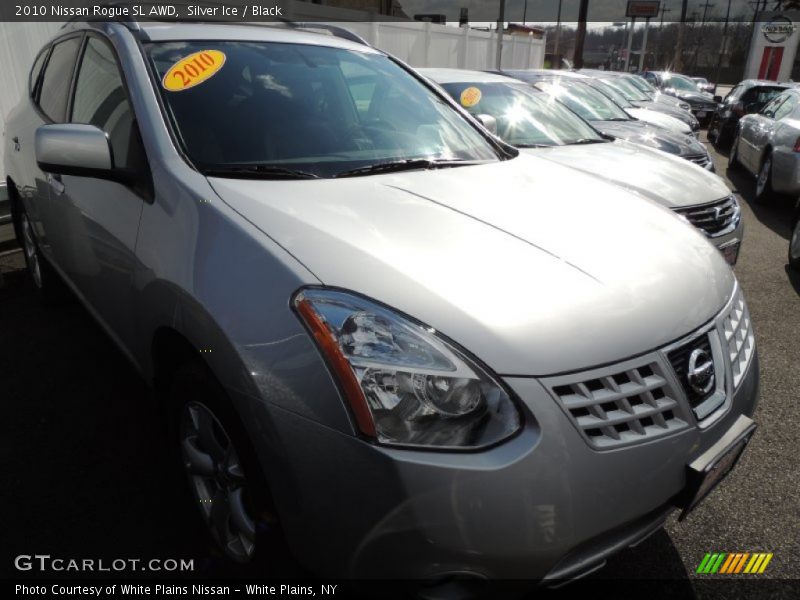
[
  {"x": 702, "y": 103},
  {"x": 747, "y": 97}
]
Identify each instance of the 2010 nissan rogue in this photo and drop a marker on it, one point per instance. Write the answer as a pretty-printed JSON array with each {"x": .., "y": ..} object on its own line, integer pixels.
[{"x": 421, "y": 352}]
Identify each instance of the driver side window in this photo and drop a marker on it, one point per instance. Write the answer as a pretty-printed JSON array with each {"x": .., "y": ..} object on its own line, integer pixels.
[
  {"x": 101, "y": 100},
  {"x": 769, "y": 109}
]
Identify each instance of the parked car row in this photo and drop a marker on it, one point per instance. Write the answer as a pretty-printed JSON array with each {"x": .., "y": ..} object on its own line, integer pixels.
[
  {"x": 409, "y": 345},
  {"x": 578, "y": 93},
  {"x": 535, "y": 120},
  {"x": 702, "y": 103},
  {"x": 767, "y": 144}
]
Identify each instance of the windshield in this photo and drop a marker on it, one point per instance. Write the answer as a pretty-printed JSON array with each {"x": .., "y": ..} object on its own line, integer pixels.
[
  {"x": 525, "y": 118},
  {"x": 627, "y": 89},
  {"x": 611, "y": 92},
  {"x": 311, "y": 111},
  {"x": 679, "y": 82},
  {"x": 587, "y": 103},
  {"x": 642, "y": 83}
]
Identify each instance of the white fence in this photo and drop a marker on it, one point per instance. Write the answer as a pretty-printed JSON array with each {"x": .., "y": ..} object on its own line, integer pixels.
[
  {"x": 431, "y": 45},
  {"x": 418, "y": 44}
]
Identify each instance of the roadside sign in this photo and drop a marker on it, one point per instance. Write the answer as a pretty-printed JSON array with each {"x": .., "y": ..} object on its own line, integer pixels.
[{"x": 643, "y": 8}]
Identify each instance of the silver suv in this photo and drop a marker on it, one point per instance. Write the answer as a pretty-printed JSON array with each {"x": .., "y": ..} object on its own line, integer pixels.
[{"x": 375, "y": 323}]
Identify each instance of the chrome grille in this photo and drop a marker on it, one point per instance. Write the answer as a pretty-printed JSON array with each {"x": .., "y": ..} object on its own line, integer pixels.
[
  {"x": 702, "y": 160},
  {"x": 679, "y": 359},
  {"x": 714, "y": 218},
  {"x": 633, "y": 403},
  {"x": 739, "y": 338}
]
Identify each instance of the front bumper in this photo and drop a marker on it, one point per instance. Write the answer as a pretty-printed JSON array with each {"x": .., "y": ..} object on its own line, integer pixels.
[{"x": 542, "y": 505}]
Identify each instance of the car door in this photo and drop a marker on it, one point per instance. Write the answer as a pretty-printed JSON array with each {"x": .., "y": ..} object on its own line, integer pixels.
[
  {"x": 754, "y": 130},
  {"x": 49, "y": 93},
  {"x": 782, "y": 139},
  {"x": 98, "y": 219},
  {"x": 768, "y": 126}
]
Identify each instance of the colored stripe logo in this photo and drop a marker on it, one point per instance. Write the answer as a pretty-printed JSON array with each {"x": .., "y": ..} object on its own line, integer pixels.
[{"x": 734, "y": 563}]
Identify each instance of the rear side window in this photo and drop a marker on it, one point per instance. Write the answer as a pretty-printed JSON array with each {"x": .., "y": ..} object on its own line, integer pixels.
[
  {"x": 37, "y": 67},
  {"x": 101, "y": 100},
  {"x": 57, "y": 77},
  {"x": 787, "y": 107}
]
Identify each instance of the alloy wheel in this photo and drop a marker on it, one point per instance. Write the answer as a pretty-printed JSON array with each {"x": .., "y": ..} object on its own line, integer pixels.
[
  {"x": 31, "y": 252},
  {"x": 217, "y": 480}
]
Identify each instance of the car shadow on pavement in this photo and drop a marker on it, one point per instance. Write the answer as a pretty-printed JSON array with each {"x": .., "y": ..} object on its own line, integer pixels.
[
  {"x": 777, "y": 215},
  {"x": 794, "y": 278}
]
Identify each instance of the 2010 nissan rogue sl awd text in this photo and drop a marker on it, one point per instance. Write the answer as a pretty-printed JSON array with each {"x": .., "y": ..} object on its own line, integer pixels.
[{"x": 421, "y": 352}]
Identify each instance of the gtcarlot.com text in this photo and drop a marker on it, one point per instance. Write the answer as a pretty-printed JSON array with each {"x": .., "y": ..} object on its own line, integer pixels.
[{"x": 48, "y": 563}]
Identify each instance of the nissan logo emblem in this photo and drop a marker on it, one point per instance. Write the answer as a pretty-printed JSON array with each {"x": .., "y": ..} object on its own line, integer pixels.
[{"x": 700, "y": 374}]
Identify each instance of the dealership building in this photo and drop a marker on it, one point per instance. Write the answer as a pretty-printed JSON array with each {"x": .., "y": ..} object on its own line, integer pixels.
[{"x": 773, "y": 47}]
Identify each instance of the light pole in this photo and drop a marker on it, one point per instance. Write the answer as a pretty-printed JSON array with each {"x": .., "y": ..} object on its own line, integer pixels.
[
  {"x": 664, "y": 9},
  {"x": 501, "y": 19},
  {"x": 558, "y": 34},
  {"x": 722, "y": 47},
  {"x": 644, "y": 44},
  {"x": 630, "y": 43}
]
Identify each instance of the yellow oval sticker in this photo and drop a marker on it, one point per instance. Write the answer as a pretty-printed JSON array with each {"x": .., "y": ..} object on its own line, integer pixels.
[
  {"x": 193, "y": 70},
  {"x": 470, "y": 97}
]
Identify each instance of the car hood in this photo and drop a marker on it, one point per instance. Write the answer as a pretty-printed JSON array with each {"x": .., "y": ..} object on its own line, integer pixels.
[
  {"x": 651, "y": 136},
  {"x": 534, "y": 267},
  {"x": 662, "y": 98},
  {"x": 667, "y": 179},
  {"x": 660, "y": 119},
  {"x": 694, "y": 96},
  {"x": 673, "y": 110}
]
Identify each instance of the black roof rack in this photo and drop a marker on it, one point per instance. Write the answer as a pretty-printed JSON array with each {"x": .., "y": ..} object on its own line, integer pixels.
[{"x": 334, "y": 30}]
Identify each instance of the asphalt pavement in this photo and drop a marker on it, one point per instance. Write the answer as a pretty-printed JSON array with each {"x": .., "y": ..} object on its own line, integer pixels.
[{"x": 86, "y": 470}]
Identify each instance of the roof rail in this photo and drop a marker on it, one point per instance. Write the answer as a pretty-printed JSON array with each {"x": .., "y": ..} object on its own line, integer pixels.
[{"x": 335, "y": 30}]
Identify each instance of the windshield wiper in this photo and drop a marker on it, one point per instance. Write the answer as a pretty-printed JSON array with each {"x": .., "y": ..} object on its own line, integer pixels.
[
  {"x": 408, "y": 165},
  {"x": 245, "y": 171},
  {"x": 587, "y": 141},
  {"x": 534, "y": 145}
]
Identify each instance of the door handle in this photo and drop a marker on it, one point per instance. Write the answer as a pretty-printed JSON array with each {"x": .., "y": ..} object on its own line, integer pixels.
[
  {"x": 55, "y": 183},
  {"x": 15, "y": 139}
]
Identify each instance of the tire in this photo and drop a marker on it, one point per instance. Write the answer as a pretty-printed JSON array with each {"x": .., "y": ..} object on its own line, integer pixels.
[
  {"x": 713, "y": 134},
  {"x": 794, "y": 246},
  {"x": 49, "y": 284},
  {"x": 219, "y": 464},
  {"x": 764, "y": 191},
  {"x": 733, "y": 156},
  {"x": 720, "y": 139}
]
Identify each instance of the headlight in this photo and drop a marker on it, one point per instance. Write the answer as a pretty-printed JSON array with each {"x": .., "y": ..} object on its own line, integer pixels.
[{"x": 406, "y": 385}]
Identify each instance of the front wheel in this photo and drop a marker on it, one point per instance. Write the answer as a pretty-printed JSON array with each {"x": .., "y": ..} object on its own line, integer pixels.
[
  {"x": 224, "y": 477},
  {"x": 713, "y": 130},
  {"x": 733, "y": 157},
  {"x": 794, "y": 247},
  {"x": 47, "y": 281}
]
